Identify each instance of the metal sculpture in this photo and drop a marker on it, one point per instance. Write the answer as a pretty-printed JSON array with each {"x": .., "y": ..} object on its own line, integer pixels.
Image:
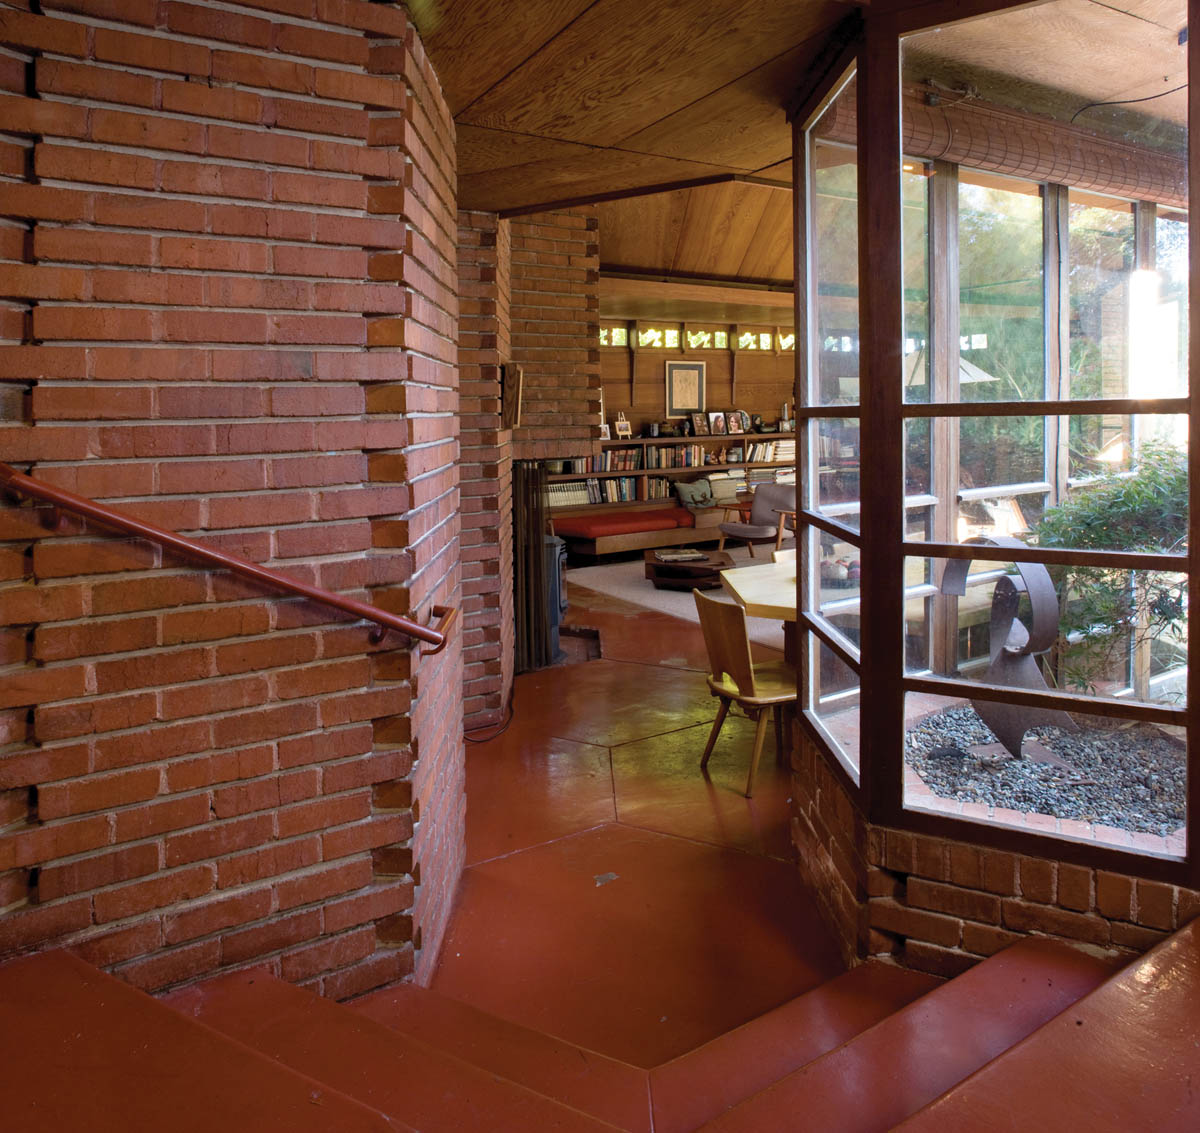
[{"x": 1013, "y": 648}]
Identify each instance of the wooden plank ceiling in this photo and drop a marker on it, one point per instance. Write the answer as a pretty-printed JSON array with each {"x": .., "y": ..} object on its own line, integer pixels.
[{"x": 562, "y": 99}]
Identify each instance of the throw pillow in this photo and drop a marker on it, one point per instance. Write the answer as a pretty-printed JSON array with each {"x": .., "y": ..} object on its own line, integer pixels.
[{"x": 696, "y": 494}]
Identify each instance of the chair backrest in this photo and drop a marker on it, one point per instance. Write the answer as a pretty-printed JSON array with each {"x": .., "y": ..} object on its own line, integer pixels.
[
  {"x": 724, "y": 627},
  {"x": 768, "y": 498}
]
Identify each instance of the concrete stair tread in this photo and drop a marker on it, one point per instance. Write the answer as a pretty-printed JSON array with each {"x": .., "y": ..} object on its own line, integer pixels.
[
  {"x": 389, "y": 1071},
  {"x": 1127, "y": 1056},
  {"x": 593, "y": 1083},
  {"x": 700, "y": 1085},
  {"x": 896, "y": 1067},
  {"x": 82, "y": 1050}
]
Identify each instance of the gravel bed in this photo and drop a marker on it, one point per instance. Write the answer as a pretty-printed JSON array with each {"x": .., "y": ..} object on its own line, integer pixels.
[{"x": 1130, "y": 776}]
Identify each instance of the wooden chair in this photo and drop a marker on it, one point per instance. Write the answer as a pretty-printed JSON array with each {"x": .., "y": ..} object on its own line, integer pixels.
[
  {"x": 758, "y": 688},
  {"x": 771, "y": 509}
]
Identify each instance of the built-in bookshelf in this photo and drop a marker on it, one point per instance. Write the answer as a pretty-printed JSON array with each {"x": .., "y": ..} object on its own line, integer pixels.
[{"x": 628, "y": 471}]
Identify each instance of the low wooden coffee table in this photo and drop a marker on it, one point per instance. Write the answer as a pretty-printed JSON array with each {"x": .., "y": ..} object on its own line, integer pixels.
[{"x": 695, "y": 574}]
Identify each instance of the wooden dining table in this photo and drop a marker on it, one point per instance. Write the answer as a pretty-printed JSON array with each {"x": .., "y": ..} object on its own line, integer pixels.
[{"x": 768, "y": 591}]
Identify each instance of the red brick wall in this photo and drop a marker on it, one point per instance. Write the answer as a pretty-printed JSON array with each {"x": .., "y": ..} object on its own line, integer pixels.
[
  {"x": 229, "y": 308},
  {"x": 484, "y": 345},
  {"x": 942, "y": 906},
  {"x": 555, "y": 329}
]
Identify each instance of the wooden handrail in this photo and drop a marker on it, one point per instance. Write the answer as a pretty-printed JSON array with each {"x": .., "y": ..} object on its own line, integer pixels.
[{"x": 27, "y": 486}]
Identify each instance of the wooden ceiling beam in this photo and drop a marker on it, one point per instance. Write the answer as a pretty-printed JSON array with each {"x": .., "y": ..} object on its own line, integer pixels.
[{"x": 645, "y": 191}]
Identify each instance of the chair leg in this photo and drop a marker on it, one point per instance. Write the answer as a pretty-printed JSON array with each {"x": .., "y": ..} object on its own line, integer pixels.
[
  {"x": 750, "y": 544},
  {"x": 721, "y": 542},
  {"x": 716, "y": 731},
  {"x": 759, "y": 733}
]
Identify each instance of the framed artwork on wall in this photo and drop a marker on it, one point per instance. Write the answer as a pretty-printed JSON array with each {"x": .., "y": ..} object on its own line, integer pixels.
[{"x": 685, "y": 388}]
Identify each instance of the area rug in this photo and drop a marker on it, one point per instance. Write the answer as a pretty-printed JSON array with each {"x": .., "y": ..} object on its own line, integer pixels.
[{"x": 627, "y": 580}]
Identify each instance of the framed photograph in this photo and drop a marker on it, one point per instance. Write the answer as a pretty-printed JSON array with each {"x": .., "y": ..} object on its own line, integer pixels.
[
  {"x": 622, "y": 427},
  {"x": 605, "y": 434},
  {"x": 699, "y": 425},
  {"x": 734, "y": 420},
  {"x": 685, "y": 388},
  {"x": 716, "y": 424}
]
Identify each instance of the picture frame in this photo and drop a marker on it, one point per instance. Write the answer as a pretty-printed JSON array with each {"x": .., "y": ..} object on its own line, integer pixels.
[
  {"x": 605, "y": 433},
  {"x": 512, "y": 382},
  {"x": 717, "y": 424},
  {"x": 685, "y": 388},
  {"x": 623, "y": 428},
  {"x": 699, "y": 425},
  {"x": 734, "y": 420}
]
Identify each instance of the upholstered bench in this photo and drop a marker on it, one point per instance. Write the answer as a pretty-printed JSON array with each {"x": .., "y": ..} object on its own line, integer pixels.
[{"x": 633, "y": 529}]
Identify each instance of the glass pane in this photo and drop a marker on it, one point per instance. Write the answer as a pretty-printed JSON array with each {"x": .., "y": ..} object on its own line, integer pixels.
[
  {"x": 834, "y": 251},
  {"x": 838, "y": 461},
  {"x": 1138, "y": 502},
  {"x": 1001, "y": 450},
  {"x": 1101, "y": 632},
  {"x": 1101, "y": 266},
  {"x": 1001, "y": 322},
  {"x": 918, "y": 457},
  {"x": 915, "y": 220},
  {"x": 835, "y": 700},
  {"x": 1164, "y": 304},
  {"x": 1087, "y": 777}
]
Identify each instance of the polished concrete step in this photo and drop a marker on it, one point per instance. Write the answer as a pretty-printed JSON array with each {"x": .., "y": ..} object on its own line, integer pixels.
[
  {"x": 1125, "y": 1057},
  {"x": 918, "y": 1053},
  {"x": 389, "y": 1071},
  {"x": 80, "y": 1050},
  {"x": 593, "y": 1083},
  {"x": 704, "y": 1083}
]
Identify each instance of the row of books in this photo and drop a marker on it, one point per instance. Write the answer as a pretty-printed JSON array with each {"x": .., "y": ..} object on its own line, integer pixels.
[
  {"x": 617, "y": 460},
  {"x": 675, "y": 456}
]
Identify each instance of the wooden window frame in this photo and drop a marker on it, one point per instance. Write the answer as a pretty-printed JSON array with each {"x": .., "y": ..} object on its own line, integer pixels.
[{"x": 879, "y": 790}]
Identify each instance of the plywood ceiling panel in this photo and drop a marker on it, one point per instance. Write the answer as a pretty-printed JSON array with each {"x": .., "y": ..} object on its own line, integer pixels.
[
  {"x": 642, "y": 233},
  {"x": 730, "y": 231},
  {"x": 481, "y": 150},
  {"x": 583, "y": 176},
  {"x": 742, "y": 125},
  {"x": 624, "y": 64},
  {"x": 1056, "y": 58},
  {"x": 476, "y": 43}
]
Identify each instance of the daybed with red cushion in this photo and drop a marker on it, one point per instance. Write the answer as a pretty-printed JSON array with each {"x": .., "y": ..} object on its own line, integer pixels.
[{"x": 600, "y": 532}]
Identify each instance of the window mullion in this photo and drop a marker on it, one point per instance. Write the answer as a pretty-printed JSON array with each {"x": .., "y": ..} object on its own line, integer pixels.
[{"x": 882, "y": 366}]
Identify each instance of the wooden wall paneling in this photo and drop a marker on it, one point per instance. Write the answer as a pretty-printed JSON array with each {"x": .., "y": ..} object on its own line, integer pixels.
[
  {"x": 473, "y": 50},
  {"x": 648, "y": 60},
  {"x": 764, "y": 383}
]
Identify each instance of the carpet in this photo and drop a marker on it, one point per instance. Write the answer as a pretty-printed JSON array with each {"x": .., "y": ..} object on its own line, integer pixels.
[{"x": 627, "y": 581}]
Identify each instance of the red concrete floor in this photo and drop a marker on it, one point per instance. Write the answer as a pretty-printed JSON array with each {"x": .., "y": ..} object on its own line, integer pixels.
[{"x": 615, "y": 896}]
